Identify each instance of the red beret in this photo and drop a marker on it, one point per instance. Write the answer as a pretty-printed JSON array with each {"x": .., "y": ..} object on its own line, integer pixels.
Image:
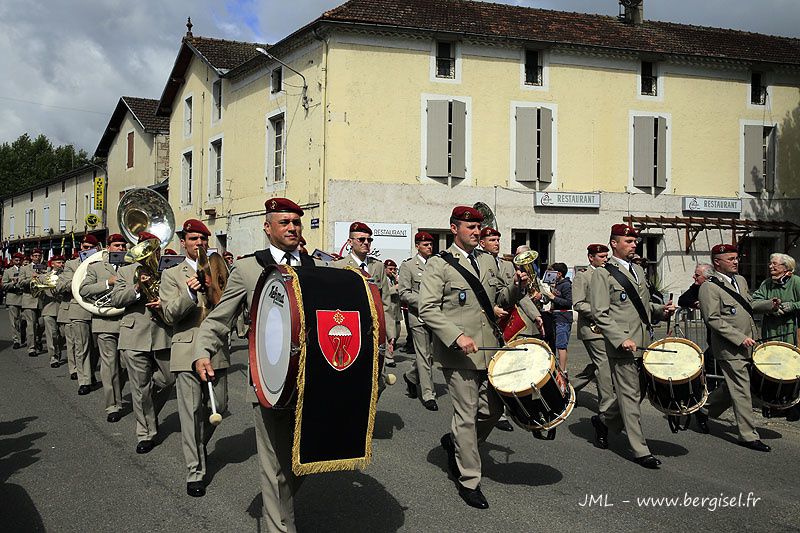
[
  {"x": 18, "y": 255},
  {"x": 90, "y": 239},
  {"x": 227, "y": 254},
  {"x": 360, "y": 227},
  {"x": 623, "y": 230},
  {"x": 36, "y": 251},
  {"x": 193, "y": 225},
  {"x": 170, "y": 251},
  {"x": 146, "y": 235},
  {"x": 489, "y": 232},
  {"x": 282, "y": 205},
  {"x": 115, "y": 237},
  {"x": 466, "y": 213},
  {"x": 724, "y": 249},
  {"x": 57, "y": 258},
  {"x": 389, "y": 263},
  {"x": 596, "y": 248},
  {"x": 423, "y": 236}
]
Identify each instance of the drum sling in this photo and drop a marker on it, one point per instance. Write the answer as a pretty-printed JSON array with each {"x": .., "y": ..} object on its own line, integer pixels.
[
  {"x": 733, "y": 294},
  {"x": 633, "y": 294}
]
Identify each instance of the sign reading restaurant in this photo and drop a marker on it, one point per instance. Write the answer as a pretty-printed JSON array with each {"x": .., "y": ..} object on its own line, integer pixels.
[
  {"x": 712, "y": 205},
  {"x": 590, "y": 200}
]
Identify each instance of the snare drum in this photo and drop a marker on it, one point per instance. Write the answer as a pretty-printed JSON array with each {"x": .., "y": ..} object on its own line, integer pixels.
[
  {"x": 775, "y": 374},
  {"x": 533, "y": 388},
  {"x": 675, "y": 382}
]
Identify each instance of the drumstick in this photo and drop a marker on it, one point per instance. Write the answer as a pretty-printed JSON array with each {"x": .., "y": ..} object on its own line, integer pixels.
[
  {"x": 215, "y": 417},
  {"x": 762, "y": 339},
  {"x": 504, "y": 348},
  {"x": 656, "y": 350}
]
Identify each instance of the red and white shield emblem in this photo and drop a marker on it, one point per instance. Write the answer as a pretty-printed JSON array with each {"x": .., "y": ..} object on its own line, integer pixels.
[{"x": 339, "y": 336}]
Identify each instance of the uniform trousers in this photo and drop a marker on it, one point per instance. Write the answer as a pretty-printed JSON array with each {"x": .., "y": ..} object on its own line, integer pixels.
[
  {"x": 194, "y": 408},
  {"x": 600, "y": 370},
  {"x": 69, "y": 346},
  {"x": 14, "y": 316},
  {"x": 735, "y": 391},
  {"x": 151, "y": 382},
  {"x": 625, "y": 412},
  {"x": 274, "y": 439},
  {"x": 82, "y": 344},
  {"x": 31, "y": 317},
  {"x": 110, "y": 370},
  {"x": 421, "y": 373},
  {"x": 476, "y": 409},
  {"x": 51, "y": 336}
]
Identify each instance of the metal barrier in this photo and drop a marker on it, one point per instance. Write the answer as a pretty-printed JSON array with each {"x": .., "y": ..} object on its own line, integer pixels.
[{"x": 690, "y": 325}]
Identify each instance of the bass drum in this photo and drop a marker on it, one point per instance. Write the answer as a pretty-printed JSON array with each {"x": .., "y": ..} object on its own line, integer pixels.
[
  {"x": 675, "y": 382},
  {"x": 775, "y": 374}
]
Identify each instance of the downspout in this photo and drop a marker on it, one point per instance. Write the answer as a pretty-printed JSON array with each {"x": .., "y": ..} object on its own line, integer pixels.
[{"x": 323, "y": 164}]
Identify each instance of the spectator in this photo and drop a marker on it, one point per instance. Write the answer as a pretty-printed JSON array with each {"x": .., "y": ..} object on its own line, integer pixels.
[
  {"x": 562, "y": 311},
  {"x": 691, "y": 299}
]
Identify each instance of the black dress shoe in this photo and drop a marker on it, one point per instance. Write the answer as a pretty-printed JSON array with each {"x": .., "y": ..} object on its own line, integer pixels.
[
  {"x": 391, "y": 364},
  {"x": 116, "y": 416},
  {"x": 73, "y": 376},
  {"x": 16, "y": 346},
  {"x": 648, "y": 461},
  {"x": 410, "y": 387},
  {"x": 53, "y": 364},
  {"x": 473, "y": 498},
  {"x": 431, "y": 405},
  {"x": 600, "y": 433},
  {"x": 196, "y": 489},
  {"x": 756, "y": 445},
  {"x": 504, "y": 425},
  {"x": 32, "y": 354},
  {"x": 794, "y": 414},
  {"x": 84, "y": 389},
  {"x": 145, "y": 446},
  {"x": 450, "y": 448},
  {"x": 702, "y": 422}
]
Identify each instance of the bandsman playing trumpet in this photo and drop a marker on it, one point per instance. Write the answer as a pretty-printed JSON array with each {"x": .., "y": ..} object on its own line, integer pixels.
[
  {"x": 30, "y": 303},
  {"x": 13, "y": 292},
  {"x": 50, "y": 307}
]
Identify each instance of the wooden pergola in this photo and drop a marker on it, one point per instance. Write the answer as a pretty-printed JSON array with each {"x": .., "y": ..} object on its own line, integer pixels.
[{"x": 692, "y": 227}]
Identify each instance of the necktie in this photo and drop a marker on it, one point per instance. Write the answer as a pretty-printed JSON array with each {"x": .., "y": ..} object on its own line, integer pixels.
[
  {"x": 287, "y": 259},
  {"x": 474, "y": 264},
  {"x": 735, "y": 286},
  {"x": 364, "y": 269},
  {"x": 633, "y": 272}
]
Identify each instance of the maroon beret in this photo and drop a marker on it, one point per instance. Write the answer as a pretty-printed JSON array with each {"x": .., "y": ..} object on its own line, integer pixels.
[
  {"x": 36, "y": 251},
  {"x": 146, "y": 235},
  {"x": 227, "y": 254},
  {"x": 90, "y": 239},
  {"x": 724, "y": 249},
  {"x": 192, "y": 225},
  {"x": 423, "y": 236},
  {"x": 466, "y": 213},
  {"x": 282, "y": 205},
  {"x": 360, "y": 227},
  {"x": 389, "y": 263},
  {"x": 596, "y": 248},
  {"x": 57, "y": 258},
  {"x": 489, "y": 232},
  {"x": 623, "y": 230},
  {"x": 170, "y": 251},
  {"x": 115, "y": 237},
  {"x": 18, "y": 255}
]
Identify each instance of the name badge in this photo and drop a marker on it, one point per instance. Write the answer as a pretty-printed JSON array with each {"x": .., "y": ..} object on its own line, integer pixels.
[
  {"x": 623, "y": 296},
  {"x": 462, "y": 297}
]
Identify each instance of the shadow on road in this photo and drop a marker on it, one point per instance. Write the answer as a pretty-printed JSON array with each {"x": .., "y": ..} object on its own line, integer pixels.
[
  {"x": 17, "y": 512},
  {"x": 386, "y": 423},
  {"x": 234, "y": 449},
  {"x": 619, "y": 444}
]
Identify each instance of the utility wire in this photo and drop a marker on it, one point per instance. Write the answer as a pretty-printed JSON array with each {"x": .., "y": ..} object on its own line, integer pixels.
[{"x": 52, "y": 106}]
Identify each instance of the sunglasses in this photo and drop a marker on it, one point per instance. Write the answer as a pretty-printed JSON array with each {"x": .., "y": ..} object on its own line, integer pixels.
[{"x": 362, "y": 240}]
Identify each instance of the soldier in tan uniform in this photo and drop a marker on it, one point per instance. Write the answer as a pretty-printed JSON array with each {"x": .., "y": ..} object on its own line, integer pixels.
[
  {"x": 626, "y": 331},
  {"x": 13, "y": 292},
  {"x": 31, "y": 306},
  {"x": 185, "y": 305},
  {"x": 390, "y": 268},
  {"x": 50, "y": 306},
  {"x": 732, "y": 330},
  {"x": 144, "y": 341},
  {"x": 419, "y": 379},
  {"x": 462, "y": 320},
  {"x": 64, "y": 293},
  {"x": 273, "y": 427},
  {"x": 101, "y": 277}
]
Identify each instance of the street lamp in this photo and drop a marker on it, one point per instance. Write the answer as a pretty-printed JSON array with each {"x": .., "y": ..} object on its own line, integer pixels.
[{"x": 304, "y": 98}]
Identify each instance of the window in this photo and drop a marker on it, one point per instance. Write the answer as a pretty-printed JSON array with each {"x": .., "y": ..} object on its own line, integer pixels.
[
  {"x": 758, "y": 91},
  {"x": 188, "y": 181},
  {"x": 11, "y": 226},
  {"x": 215, "y": 167},
  {"x": 46, "y": 219},
  {"x": 30, "y": 222},
  {"x": 276, "y": 80},
  {"x": 276, "y": 149},
  {"x": 650, "y": 152},
  {"x": 87, "y": 206},
  {"x": 12, "y": 200},
  {"x": 187, "y": 117},
  {"x": 46, "y": 192},
  {"x": 129, "y": 164},
  {"x": 649, "y": 83},
  {"x": 63, "y": 185},
  {"x": 534, "y": 145},
  {"x": 648, "y": 248},
  {"x": 446, "y": 139},
  {"x": 539, "y": 240},
  {"x": 62, "y": 216},
  {"x": 31, "y": 196},
  {"x": 216, "y": 90},
  {"x": 533, "y": 67},
  {"x": 445, "y": 60},
  {"x": 759, "y": 158}
]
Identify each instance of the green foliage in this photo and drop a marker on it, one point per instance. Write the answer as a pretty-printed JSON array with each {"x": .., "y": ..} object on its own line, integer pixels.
[{"x": 26, "y": 162}]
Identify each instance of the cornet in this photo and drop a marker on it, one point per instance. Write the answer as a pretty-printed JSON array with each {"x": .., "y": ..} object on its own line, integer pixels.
[{"x": 525, "y": 261}]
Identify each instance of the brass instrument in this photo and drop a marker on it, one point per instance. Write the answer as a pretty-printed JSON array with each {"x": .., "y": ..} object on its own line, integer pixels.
[
  {"x": 102, "y": 305},
  {"x": 212, "y": 273},
  {"x": 147, "y": 276},
  {"x": 525, "y": 261},
  {"x": 48, "y": 282}
]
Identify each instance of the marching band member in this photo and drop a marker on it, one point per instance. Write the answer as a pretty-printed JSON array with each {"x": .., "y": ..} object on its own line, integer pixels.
[
  {"x": 184, "y": 302},
  {"x": 13, "y": 291},
  {"x": 390, "y": 267},
  {"x": 50, "y": 307},
  {"x": 459, "y": 290},
  {"x": 622, "y": 310},
  {"x": 30, "y": 303},
  {"x": 273, "y": 427},
  {"x": 101, "y": 277}
]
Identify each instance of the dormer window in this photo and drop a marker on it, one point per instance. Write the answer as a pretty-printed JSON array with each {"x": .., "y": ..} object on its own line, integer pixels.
[{"x": 758, "y": 90}]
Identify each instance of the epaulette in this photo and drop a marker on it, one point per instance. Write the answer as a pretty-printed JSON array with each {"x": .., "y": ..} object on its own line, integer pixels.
[{"x": 407, "y": 260}]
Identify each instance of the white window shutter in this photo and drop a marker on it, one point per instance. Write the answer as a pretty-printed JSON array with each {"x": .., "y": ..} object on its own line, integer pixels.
[
  {"x": 436, "y": 157},
  {"x": 458, "y": 157}
]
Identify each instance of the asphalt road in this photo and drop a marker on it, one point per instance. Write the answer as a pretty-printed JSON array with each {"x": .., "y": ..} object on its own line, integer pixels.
[{"x": 64, "y": 468}]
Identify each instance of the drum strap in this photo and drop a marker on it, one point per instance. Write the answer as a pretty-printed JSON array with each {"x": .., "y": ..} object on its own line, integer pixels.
[
  {"x": 480, "y": 293},
  {"x": 733, "y": 294},
  {"x": 633, "y": 294}
]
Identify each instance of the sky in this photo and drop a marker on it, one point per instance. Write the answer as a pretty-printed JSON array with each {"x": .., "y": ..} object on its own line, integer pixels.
[{"x": 65, "y": 63}]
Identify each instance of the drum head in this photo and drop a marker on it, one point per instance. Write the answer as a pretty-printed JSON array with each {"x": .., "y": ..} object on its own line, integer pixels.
[
  {"x": 777, "y": 360},
  {"x": 677, "y": 367},
  {"x": 515, "y": 371}
]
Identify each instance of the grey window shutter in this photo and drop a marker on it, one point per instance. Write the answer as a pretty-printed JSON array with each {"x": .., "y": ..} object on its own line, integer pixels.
[
  {"x": 771, "y": 154},
  {"x": 436, "y": 158},
  {"x": 458, "y": 157},
  {"x": 546, "y": 145},
  {"x": 526, "y": 144},
  {"x": 643, "y": 151},
  {"x": 661, "y": 154},
  {"x": 753, "y": 158}
]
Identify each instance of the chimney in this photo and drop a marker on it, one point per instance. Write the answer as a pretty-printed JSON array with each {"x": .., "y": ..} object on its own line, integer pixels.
[
  {"x": 189, "y": 27},
  {"x": 632, "y": 11}
]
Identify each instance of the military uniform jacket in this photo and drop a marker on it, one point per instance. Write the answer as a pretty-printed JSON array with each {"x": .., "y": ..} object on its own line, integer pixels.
[
  {"x": 139, "y": 328},
  {"x": 184, "y": 315},
  {"x": 64, "y": 285},
  {"x": 727, "y": 321},
  {"x": 450, "y": 308},
  {"x": 94, "y": 285},
  {"x": 582, "y": 304},
  {"x": 11, "y": 285},
  {"x": 410, "y": 280},
  {"x": 394, "y": 299},
  {"x": 375, "y": 268},
  {"x": 25, "y": 276},
  {"x": 50, "y": 301},
  {"x": 615, "y": 314}
]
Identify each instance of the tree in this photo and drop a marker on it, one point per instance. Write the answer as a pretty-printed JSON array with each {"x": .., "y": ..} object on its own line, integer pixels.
[{"x": 26, "y": 162}]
